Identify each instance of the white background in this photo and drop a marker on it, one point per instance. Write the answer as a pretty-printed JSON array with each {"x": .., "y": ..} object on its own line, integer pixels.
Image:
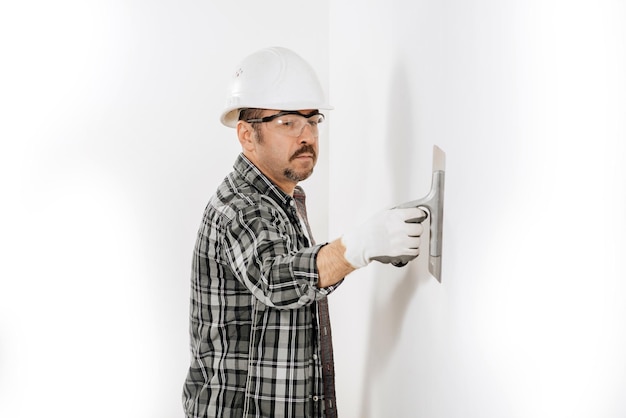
[{"x": 111, "y": 146}]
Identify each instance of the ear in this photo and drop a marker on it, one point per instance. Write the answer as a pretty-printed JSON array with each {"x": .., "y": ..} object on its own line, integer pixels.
[{"x": 246, "y": 136}]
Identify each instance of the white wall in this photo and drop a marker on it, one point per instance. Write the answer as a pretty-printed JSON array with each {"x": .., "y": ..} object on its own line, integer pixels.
[
  {"x": 528, "y": 101},
  {"x": 111, "y": 147}
]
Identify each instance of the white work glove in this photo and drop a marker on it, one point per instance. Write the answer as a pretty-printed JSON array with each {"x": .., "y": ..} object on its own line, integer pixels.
[{"x": 385, "y": 236}]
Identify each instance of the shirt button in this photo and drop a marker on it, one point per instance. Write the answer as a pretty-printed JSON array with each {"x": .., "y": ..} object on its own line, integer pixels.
[
  {"x": 315, "y": 398},
  {"x": 314, "y": 356}
]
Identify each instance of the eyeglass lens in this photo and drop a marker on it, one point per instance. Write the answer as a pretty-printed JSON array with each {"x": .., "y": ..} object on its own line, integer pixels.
[{"x": 294, "y": 125}]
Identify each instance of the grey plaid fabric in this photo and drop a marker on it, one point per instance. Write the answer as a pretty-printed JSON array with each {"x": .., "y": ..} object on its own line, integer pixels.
[{"x": 253, "y": 306}]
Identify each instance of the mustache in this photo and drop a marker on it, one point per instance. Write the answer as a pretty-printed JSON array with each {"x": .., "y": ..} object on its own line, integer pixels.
[{"x": 306, "y": 149}]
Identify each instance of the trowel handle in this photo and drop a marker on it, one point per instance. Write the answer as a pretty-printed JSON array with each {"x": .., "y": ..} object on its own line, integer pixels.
[
  {"x": 433, "y": 203},
  {"x": 401, "y": 260}
]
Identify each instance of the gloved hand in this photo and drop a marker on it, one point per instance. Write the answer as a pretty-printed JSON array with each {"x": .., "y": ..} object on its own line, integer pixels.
[{"x": 386, "y": 235}]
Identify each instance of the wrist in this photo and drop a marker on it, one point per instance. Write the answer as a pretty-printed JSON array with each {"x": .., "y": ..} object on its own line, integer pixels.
[
  {"x": 353, "y": 252},
  {"x": 332, "y": 265}
]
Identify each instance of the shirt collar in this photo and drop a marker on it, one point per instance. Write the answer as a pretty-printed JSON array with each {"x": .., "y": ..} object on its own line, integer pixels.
[{"x": 252, "y": 175}]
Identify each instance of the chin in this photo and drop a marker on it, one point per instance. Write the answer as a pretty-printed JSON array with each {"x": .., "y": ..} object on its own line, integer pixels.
[{"x": 299, "y": 176}]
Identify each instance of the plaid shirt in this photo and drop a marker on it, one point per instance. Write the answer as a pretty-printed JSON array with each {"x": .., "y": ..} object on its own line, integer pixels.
[{"x": 253, "y": 310}]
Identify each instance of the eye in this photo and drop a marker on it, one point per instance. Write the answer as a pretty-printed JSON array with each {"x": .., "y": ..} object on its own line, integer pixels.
[{"x": 287, "y": 122}]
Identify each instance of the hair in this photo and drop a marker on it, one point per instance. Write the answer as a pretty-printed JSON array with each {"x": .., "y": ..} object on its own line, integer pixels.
[{"x": 252, "y": 113}]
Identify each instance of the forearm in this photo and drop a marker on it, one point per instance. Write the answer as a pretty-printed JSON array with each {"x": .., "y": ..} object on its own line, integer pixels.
[{"x": 332, "y": 265}]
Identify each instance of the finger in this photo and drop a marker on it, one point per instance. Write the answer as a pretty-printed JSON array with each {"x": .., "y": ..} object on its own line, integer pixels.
[
  {"x": 414, "y": 230},
  {"x": 412, "y": 215},
  {"x": 411, "y": 242}
]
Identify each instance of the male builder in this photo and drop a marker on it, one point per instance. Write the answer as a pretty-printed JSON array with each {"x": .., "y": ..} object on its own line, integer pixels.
[{"x": 260, "y": 332}]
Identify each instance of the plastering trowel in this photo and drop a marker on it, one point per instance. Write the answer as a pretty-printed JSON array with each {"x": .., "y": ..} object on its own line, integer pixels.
[{"x": 433, "y": 205}]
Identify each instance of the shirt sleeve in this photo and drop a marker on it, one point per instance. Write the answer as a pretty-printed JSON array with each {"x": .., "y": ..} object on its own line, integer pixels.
[{"x": 263, "y": 253}]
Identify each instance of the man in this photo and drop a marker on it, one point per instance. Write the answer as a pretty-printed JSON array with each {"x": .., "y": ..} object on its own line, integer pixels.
[{"x": 260, "y": 337}]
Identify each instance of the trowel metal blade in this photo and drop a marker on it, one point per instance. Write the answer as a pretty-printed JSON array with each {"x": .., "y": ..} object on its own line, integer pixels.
[
  {"x": 439, "y": 159},
  {"x": 439, "y": 167}
]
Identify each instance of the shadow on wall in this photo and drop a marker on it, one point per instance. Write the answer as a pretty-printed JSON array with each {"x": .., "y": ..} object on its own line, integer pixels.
[{"x": 389, "y": 306}]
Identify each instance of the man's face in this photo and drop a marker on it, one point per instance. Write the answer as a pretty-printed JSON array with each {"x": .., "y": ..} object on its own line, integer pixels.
[{"x": 285, "y": 159}]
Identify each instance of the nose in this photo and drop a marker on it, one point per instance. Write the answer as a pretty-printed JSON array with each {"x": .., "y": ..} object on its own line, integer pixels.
[{"x": 307, "y": 136}]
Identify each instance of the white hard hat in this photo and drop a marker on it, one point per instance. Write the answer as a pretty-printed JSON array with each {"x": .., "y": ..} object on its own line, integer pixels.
[{"x": 273, "y": 78}]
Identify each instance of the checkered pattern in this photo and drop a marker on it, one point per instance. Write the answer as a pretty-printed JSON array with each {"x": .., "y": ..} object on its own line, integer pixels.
[{"x": 253, "y": 309}]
